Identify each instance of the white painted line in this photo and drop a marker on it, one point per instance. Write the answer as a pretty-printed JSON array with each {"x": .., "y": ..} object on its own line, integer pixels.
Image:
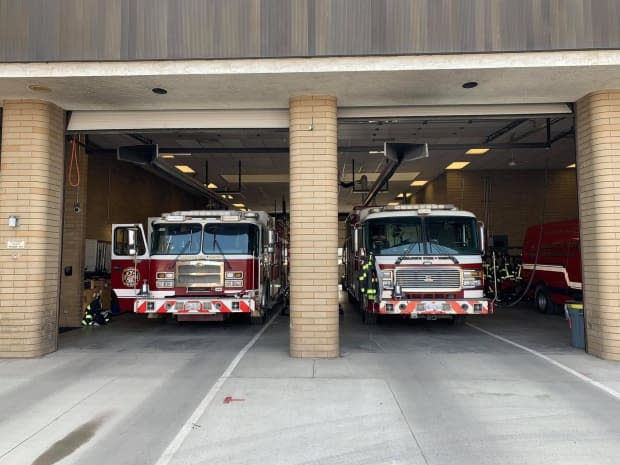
[
  {"x": 602, "y": 387},
  {"x": 187, "y": 427}
]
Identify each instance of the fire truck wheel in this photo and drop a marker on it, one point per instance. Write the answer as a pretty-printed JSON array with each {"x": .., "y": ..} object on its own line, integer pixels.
[
  {"x": 542, "y": 300},
  {"x": 259, "y": 320},
  {"x": 369, "y": 318}
]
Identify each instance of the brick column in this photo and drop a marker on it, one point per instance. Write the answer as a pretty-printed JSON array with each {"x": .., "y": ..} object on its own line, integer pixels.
[
  {"x": 31, "y": 175},
  {"x": 74, "y": 228},
  {"x": 598, "y": 165},
  {"x": 314, "y": 227}
]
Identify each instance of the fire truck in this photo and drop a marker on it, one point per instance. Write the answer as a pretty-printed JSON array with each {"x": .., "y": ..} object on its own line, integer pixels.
[
  {"x": 201, "y": 265},
  {"x": 415, "y": 261},
  {"x": 551, "y": 261}
]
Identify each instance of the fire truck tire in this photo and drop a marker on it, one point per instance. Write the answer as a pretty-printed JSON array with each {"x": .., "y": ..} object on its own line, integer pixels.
[
  {"x": 259, "y": 320},
  {"x": 265, "y": 297},
  {"x": 542, "y": 300},
  {"x": 369, "y": 318}
]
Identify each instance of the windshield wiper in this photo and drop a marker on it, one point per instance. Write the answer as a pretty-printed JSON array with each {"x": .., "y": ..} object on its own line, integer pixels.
[
  {"x": 219, "y": 248},
  {"x": 405, "y": 253}
]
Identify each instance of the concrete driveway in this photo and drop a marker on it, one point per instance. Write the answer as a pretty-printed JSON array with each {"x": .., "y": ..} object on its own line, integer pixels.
[{"x": 142, "y": 392}]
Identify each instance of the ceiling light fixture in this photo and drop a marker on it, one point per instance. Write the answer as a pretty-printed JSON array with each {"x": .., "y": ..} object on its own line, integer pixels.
[
  {"x": 185, "y": 169},
  {"x": 238, "y": 205},
  {"x": 572, "y": 165},
  {"x": 391, "y": 204},
  {"x": 418, "y": 183},
  {"x": 457, "y": 165},
  {"x": 166, "y": 155},
  {"x": 470, "y": 85},
  {"x": 211, "y": 186},
  {"x": 477, "y": 151}
]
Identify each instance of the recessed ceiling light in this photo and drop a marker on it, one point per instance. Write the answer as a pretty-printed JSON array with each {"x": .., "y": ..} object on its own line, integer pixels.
[
  {"x": 238, "y": 205},
  {"x": 391, "y": 204},
  {"x": 457, "y": 165},
  {"x": 211, "y": 186},
  {"x": 159, "y": 90},
  {"x": 166, "y": 155},
  {"x": 39, "y": 88},
  {"x": 470, "y": 85},
  {"x": 419, "y": 182},
  {"x": 185, "y": 169},
  {"x": 401, "y": 195},
  {"x": 477, "y": 151},
  {"x": 572, "y": 165}
]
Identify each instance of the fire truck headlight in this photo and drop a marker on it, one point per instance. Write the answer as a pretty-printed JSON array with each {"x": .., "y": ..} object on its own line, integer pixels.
[
  {"x": 472, "y": 278},
  {"x": 165, "y": 275},
  {"x": 387, "y": 278},
  {"x": 234, "y": 275}
]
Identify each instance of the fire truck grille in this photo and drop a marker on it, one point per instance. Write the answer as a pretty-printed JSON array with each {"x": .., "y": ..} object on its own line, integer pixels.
[
  {"x": 200, "y": 273},
  {"x": 429, "y": 279}
]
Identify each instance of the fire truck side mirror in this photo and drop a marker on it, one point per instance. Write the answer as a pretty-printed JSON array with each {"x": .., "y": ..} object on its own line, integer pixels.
[
  {"x": 356, "y": 240},
  {"x": 131, "y": 241},
  {"x": 482, "y": 238}
]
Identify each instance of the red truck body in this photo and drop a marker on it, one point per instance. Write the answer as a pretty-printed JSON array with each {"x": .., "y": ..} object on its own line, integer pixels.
[
  {"x": 551, "y": 258},
  {"x": 201, "y": 265}
]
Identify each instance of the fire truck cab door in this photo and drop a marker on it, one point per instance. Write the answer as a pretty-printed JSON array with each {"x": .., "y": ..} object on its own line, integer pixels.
[{"x": 130, "y": 263}]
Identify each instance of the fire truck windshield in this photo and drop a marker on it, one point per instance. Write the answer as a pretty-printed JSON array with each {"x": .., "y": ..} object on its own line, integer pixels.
[
  {"x": 176, "y": 239},
  {"x": 230, "y": 239},
  {"x": 218, "y": 238},
  {"x": 430, "y": 235}
]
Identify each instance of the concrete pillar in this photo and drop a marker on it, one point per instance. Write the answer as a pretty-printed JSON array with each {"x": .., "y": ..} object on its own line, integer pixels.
[
  {"x": 598, "y": 170},
  {"x": 74, "y": 228},
  {"x": 314, "y": 227},
  {"x": 31, "y": 176}
]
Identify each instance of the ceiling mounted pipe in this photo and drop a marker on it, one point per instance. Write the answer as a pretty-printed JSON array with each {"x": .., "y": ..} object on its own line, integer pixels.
[{"x": 395, "y": 153}]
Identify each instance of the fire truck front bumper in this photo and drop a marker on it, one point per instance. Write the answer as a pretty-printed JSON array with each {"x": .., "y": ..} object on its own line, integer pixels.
[
  {"x": 194, "y": 306},
  {"x": 438, "y": 308}
]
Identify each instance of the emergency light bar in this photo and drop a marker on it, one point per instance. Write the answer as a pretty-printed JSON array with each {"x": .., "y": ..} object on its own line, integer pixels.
[{"x": 420, "y": 207}]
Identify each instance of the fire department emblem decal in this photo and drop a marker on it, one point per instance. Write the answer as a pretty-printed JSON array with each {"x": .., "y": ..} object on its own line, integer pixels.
[{"x": 130, "y": 277}]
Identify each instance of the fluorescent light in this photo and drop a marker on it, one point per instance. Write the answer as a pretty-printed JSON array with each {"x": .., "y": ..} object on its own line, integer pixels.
[
  {"x": 572, "y": 165},
  {"x": 211, "y": 186},
  {"x": 185, "y": 169},
  {"x": 238, "y": 205},
  {"x": 477, "y": 151},
  {"x": 419, "y": 182},
  {"x": 376, "y": 151},
  {"x": 457, "y": 165},
  {"x": 391, "y": 204},
  {"x": 166, "y": 155},
  {"x": 401, "y": 195}
]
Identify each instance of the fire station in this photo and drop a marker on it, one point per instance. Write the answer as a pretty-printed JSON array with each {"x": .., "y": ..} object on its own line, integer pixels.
[{"x": 114, "y": 112}]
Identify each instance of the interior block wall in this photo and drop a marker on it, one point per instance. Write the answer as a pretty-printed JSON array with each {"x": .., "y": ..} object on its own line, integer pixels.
[
  {"x": 598, "y": 166},
  {"x": 314, "y": 227},
  {"x": 31, "y": 179},
  {"x": 120, "y": 192},
  {"x": 517, "y": 199}
]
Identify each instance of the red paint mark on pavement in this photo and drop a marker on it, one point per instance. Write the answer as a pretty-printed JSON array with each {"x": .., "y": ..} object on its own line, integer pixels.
[{"x": 229, "y": 399}]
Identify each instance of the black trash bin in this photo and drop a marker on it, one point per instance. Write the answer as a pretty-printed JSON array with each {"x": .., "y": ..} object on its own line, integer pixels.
[{"x": 576, "y": 323}]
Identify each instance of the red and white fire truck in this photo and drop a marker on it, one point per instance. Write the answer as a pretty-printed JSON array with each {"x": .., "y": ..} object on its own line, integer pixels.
[
  {"x": 551, "y": 263},
  {"x": 201, "y": 265},
  {"x": 416, "y": 261}
]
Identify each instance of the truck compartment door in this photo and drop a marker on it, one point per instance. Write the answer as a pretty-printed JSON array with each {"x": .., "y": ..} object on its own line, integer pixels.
[{"x": 130, "y": 262}]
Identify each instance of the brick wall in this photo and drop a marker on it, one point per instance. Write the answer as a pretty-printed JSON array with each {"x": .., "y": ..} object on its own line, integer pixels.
[
  {"x": 314, "y": 227},
  {"x": 74, "y": 226},
  {"x": 31, "y": 176},
  {"x": 598, "y": 165}
]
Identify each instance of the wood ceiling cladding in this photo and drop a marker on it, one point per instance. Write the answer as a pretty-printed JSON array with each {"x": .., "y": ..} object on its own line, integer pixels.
[{"x": 63, "y": 30}]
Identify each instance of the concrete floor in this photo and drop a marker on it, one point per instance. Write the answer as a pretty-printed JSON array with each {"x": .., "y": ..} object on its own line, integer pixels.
[{"x": 401, "y": 393}]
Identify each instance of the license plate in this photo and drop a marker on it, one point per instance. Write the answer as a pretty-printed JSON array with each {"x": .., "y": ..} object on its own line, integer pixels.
[{"x": 192, "y": 306}]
